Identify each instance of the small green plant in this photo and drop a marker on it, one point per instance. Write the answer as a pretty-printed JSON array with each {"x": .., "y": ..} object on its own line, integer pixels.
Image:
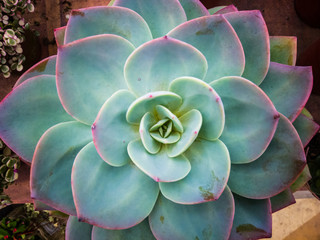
[
  {"x": 9, "y": 164},
  {"x": 26, "y": 223},
  {"x": 12, "y": 29}
]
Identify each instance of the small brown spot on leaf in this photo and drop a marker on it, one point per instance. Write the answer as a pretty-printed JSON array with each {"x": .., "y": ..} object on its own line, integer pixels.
[
  {"x": 77, "y": 13},
  {"x": 276, "y": 116},
  {"x": 162, "y": 219},
  {"x": 207, "y": 195},
  {"x": 207, "y": 31}
]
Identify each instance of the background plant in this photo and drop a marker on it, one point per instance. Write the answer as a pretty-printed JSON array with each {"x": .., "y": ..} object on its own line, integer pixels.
[
  {"x": 12, "y": 29},
  {"x": 26, "y": 223},
  {"x": 9, "y": 164}
]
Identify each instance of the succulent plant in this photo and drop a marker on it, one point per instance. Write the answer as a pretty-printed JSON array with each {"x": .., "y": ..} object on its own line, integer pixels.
[
  {"x": 158, "y": 119},
  {"x": 9, "y": 165},
  {"x": 12, "y": 29}
]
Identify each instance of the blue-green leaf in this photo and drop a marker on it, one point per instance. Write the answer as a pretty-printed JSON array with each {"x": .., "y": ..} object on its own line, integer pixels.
[
  {"x": 52, "y": 164},
  {"x": 161, "y": 15},
  {"x": 89, "y": 71},
  {"x": 107, "y": 20},
  {"x": 210, "y": 168},
  {"x": 111, "y": 131},
  {"x": 288, "y": 87},
  {"x": 251, "y": 118},
  {"x": 210, "y": 220},
  {"x": 275, "y": 170},
  {"x": 252, "y": 219},
  {"x": 123, "y": 196},
  {"x": 139, "y": 232},
  {"x": 160, "y": 166},
  {"x": 216, "y": 39},
  {"x": 27, "y": 112},
  {"x": 253, "y": 34},
  {"x": 76, "y": 230},
  {"x": 153, "y": 65}
]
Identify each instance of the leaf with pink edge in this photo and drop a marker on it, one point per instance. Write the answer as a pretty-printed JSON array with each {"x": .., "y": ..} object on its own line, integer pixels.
[
  {"x": 277, "y": 168},
  {"x": 31, "y": 108},
  {"x": 141, "y": 231},
  {"x": 89, "y": 71},
  {"x": 39, "y": 206},
  {"x": 199, "y": 95},
  {"x": 209, "y": 220},
  {"x": 111, "y": 131},
  {"x": 76, "y": 230},
  {"x": 152, "y": 66},
  {"x": 283, "y": 50},
  {"x": 123, "y": 197},
  {"x": 288, "y": 87},
  {"x": 46, "y": 66},
  {"x": 159, "y": 167},
  {"x": 223, "y": 9},
  {"x": 59, "y": 34},
  {"x": 107, "y": 20},
  {"x": 306, "y": 128},
  {"x": 251, "y": 118},
  {"x": 193, "y": 9},
  {"x": 210, "y": 167},
  {"x": 252, "y": 219},
  {"x": 148, "y": 102},
  {"x": 52, "y": 163},
  {"x": 282, "y": 200},
  {"x": 161, "y": 15},
  {"x": 191, "y": 123},
  {"x": 253, "y": 34},
  {"x": 218, "y": 42}
]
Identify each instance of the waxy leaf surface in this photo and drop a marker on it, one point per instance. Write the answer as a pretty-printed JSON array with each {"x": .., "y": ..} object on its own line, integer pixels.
[
  {"x": 153, "y": 65},
  {"x": 107, "y": 20},
  {"x": 216, "y": 39},
  {"x": 52, "y": 164},
  {"x": 210, "y": 167},
  {"x": 29, "y": 111},
  {"x": 148, "y": 102},
  {"x": 251, "y": 118},
  {"x": 123, "y": 196},
  {"x": 161, "y": 15},
  {"x": 282, "y": 200},
  {"x": 275, "y": 170},
  {"x": 149, "y": 143},
  {"x": 191, "y": 122},
  {"x": 199, "y": 95},
  {"x": 210, "y": 220},
  {"x": 283, "y": 50},
  {"x": 306, "y": 128},
  {"x": 59, "y": 34},
  {"x": 111, "y": 131},
  {"x": 288, "y": 87},
  {"x": 160, "y": 166},
  {"x": 141, "y": 231},
  {"x": 89, "y": 71},
  {"x": 193, "y": 8},
  {"x": 252, "y": 219},
  {"x": 253, "y": 34},
  {"x": 76, "y": 230},
  {"x": 46, "y": 66}
]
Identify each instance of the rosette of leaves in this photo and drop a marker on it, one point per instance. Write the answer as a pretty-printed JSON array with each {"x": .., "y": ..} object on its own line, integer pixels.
[
  {"x": 158, "y": 119},
  {"x": 12, "y": 29}
]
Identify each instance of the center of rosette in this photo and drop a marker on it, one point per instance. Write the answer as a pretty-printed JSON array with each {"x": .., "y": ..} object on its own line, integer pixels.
[{"x": 167, "y": 129}]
